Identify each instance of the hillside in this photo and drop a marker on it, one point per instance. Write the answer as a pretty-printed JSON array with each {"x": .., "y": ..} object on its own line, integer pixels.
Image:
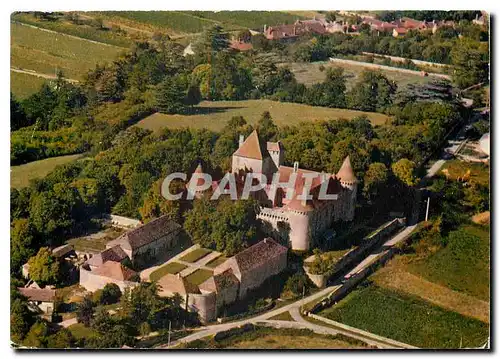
[{"x": 214, "y": 115}]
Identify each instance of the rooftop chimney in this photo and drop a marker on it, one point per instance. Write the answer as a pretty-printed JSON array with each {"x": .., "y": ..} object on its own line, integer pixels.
[
  {"x": 295, "y": 167},
  {"x": 242, "y": 139}
]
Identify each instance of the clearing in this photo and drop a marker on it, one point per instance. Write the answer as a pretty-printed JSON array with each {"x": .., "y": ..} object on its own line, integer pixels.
[
  {"x": 408, "y": 319},
  {"x": 45, "y": 52},
  {"x": 95, "y": 242},
  {"x": 309, "y": 73},
  {"x": 20, "y": 176},
  {"x": 215, "y": 115}
]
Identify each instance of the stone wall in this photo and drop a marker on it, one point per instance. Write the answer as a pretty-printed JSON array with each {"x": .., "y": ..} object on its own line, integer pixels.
[
  {"x": 144, "y": 255},
  {"x": 204, "y": 305},
  {"x": 254, "y": 278}
]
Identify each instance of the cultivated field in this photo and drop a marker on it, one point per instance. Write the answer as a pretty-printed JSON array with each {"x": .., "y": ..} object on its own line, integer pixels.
[
  {"x": 310, "y": 73},
  {"x": 21, "y": 175},
  {"x": 214, "y": 115},
  {"x": 46, "y": 52},
  {"x": 24, "y": 85},
  {"x": 85, "y": 31},
  {"x": 408, "y": 319}
]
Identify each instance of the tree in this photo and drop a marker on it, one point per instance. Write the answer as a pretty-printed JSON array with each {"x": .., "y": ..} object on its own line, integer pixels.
[
  {"x": 21, "y": 318},
  {"x": 85, "y": 311},
  {"x": 111, "y": 293},
  {"x": 375, "y": 179},
  {"x": 470, "y": 63},
  {"x": 404, "y": 170},
  {"x": 63, "y": 339},
  {"x": 170, "y": 95},
  {"x": 266, "y": 127},
  {"x": 330, "y": 16},
  {"x": 17, "y": 116},
  {"x": 44, "y": 268},
  {"x": 372, "y": 92},
  {"x": 21, "y": 242},
  {"x": 37, "y": 335},
  {"x": 298, "y": 284},
  {"x": 244, "y": 36},
  {"x": 155, "y": 205},
  {"x": 193, "y": 95},
  {"x": 102, "y": 321},
  {"x": 214, "y": 39}
]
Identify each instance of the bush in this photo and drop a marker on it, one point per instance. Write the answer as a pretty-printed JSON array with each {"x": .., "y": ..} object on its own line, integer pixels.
[{"x": 111, "y": 293}]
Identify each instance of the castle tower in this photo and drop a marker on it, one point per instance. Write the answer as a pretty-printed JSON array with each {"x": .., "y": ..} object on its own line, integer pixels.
[
  {"x": 199, "y": 182},
  {"x": 349, "y": 183}
]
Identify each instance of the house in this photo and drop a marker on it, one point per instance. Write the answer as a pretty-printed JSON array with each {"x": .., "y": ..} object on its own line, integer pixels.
[
  {"x": 96, "y": 278},
  {"x": 300, "y": 223},
  {"x": 399, "y": 31},
  {"x": 149, "y": 241},
  {"x": 138, "y": 247},
  {"x": 188, "y": 50},
  {"x": 241, "y": 46},
  {"x": 231, "y": 280},
  {"x": 39, "y": 300},
  {"x": 252, "y": 266},
  {"x": 293, "y": 31}
]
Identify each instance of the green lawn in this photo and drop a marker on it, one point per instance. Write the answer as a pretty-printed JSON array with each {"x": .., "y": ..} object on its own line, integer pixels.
[
  {"x": 199, "y": 276},
  {"x": 310, "y": 73},
  {"x": 407, "y": 319},
  {"x": 215, "y": 115},
  {"x": 217, "y": 261},
  {"x": 24, "y": 85},
  {"x": 170, "y": 268},
  {"x": 21, "y": 175},
  {"x": 80, "y": 331},
  {"x": 95, "y": 242},
  {"x": 44, "y": 52},
  {"x": 463, "y": 265},
  {"x": 286, "y": 316},
  {"x": 195, "y": 255}
]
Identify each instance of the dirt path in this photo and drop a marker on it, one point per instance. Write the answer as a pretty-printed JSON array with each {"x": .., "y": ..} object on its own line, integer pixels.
[
  {"x": 400, "y": 279},
  {"x": 38, "y": 74}
]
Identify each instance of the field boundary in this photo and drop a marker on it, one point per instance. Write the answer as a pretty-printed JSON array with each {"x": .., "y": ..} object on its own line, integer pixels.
[
  {"x": 67, "y": 35},
  {"x": 403, "y": 59},
  {"x": 388, "y": 68},
  {"x": 38, "y": 74},
  {"x": 362, "y": 333}
]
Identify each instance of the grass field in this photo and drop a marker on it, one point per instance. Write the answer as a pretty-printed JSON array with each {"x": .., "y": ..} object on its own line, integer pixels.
[
  {"x": 463, "y": 265},
  {"x": 84, "y": 31},
  {"x": 170, "y": 268},
  {"x": 219, "y": 260},
  {"x": 24, "y": 85},
  {"x": 195, "y": 255},
  {"x": 407, "y": 319},
  {"x": 283, "y": 316},
  {"x": 215, "y": 115},
  {"x": 44, "y": 52},
  {"x": 273, "y": 338},
  {"x": 21, "y": 175},
  {"x": 80, "y": 331},
  {"x": 309, "y": 73},
  {"x": 199, "y": 276},
  {"x": 248, "y": 19}
]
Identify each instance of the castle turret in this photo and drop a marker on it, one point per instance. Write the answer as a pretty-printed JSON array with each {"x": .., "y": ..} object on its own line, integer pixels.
[{"x": 350, "y": 184}]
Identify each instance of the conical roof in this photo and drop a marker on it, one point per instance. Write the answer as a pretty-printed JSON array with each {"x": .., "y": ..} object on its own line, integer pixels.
[
  {"x": 346, "y": 173},
  {"x": 198, "y": 169},
  {"x": 252, "y": 147}
]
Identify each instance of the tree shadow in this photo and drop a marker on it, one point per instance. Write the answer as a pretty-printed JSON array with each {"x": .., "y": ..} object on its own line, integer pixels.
[{"x": 210, "y": 110}]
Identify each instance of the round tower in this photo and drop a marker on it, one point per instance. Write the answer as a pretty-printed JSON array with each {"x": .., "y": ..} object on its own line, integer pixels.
[{"x": 350, "y": 184}]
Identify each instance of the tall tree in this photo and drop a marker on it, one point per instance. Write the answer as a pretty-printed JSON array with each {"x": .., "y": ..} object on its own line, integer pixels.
[
  {"x": 44, "y": 268},
  {"x": 170, "y": 95},
  {"x": 470, "y": 63}
]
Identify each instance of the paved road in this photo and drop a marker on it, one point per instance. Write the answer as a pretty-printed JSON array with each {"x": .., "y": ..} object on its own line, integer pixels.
[{"x": 294, "y": 307}]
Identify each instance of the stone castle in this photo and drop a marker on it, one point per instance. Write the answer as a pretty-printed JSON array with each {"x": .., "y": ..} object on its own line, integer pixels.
[{"x": 303, "y": 223}]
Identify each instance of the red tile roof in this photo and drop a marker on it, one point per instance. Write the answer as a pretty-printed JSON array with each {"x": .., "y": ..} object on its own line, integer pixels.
[
  {"x": 115, "y": 270},
  {"x": 115, "y": 254},
  {"x": 346, "y": 173},
  {"x": 252, "y": 148},
  {"x": 241, "y": 46}
]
